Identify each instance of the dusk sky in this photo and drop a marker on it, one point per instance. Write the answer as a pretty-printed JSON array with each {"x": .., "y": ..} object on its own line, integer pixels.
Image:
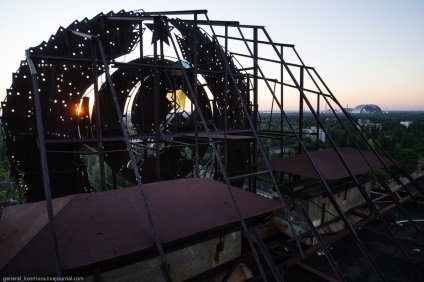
[{"x": 367, "y": 51}]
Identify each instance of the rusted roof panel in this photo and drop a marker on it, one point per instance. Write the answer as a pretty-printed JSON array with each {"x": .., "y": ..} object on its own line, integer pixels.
[
  {"x": 97, "y": 227},
  {"x": 328, "y": 163}
]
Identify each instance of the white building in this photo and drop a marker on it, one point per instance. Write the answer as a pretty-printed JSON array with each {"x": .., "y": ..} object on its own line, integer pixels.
[
  {"x": 406, "y": 123},
  {"x": 367, "y": 124},
  {"x": 312, "y": 133}
]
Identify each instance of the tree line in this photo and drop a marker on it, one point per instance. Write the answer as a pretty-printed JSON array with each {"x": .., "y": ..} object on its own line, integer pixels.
[{"x": 403, "y": 143}]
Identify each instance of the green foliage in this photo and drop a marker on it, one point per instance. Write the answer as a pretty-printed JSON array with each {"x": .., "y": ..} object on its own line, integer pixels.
[
  {"x": 94, "y": 174},
  {"x": 12, "y": 190},
  {"x": 404, "y": 144}
]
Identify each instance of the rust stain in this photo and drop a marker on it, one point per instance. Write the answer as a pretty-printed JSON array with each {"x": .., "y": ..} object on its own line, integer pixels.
[{"x": 279, "y": 224}]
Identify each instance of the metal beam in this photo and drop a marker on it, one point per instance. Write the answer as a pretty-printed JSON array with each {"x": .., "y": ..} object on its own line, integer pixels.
[
  {"x": 44, "y": 164},
  {"x": 252, "y": 40}
]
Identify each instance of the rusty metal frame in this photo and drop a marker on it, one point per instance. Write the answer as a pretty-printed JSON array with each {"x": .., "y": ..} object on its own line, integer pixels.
[
  {"x": 221, "y": 149},
  {"x": 219, "y": 162},
  {"x": 44, "y": 166},
  {"x": 98, "y": 44},
  {"x": 299, "y": 137}
]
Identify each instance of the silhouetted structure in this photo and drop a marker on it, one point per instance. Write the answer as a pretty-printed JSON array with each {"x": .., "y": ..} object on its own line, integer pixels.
[
  {"x": 367, "y": 109},
  {"x": 171, "y": 99}
]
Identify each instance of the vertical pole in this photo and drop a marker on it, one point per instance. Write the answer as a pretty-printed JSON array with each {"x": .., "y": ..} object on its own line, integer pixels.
[
  {"x": 160, "y": 31},
  {"x": 255, "y": 99},
  {"x": 115, "y": 184},
  {"x": 143, "y": 119},
  {"x": 281, "y": 114},
  {"x": 140, "y": 33},
  {"x": 318, "y": 116},
  {"x": 255, "y": 78},
  {"x": 216, "y": 111},
  {"x": 282, "y": 103},
  {"x": 174, "y": 99},
  {"x": 44, "y": 165},
  {"x": 195, "y": 90},
  {"x": 156, "y": 101},
  {"x": 300, "y": 133},
  {"x": 98, "y": 119},
  {"x": 226, "y": 103}
]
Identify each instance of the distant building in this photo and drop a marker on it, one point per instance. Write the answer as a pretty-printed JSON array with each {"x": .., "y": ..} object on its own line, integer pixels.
[
  {"x": 312, "y": 133},
  {"x": 406, "y": 123},
  {"x": 276, "y": 150},
  {"x": 330, "y": 111},
  {"x": 286, "y": 150},
  {"x": 367, "y": 124},
  {"x": 367, "y": 109}
]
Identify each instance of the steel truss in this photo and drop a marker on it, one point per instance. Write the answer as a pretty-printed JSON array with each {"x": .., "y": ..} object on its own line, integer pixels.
[{"x": 48, "y": 120}]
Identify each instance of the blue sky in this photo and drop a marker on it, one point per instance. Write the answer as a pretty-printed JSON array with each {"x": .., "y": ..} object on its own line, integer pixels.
[{"x": 366, "y": 51}]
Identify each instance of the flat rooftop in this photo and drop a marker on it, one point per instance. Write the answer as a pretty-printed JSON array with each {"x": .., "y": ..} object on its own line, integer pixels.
[
  {"x": 329, "y": 164},
  {"x": 97, "y": 227}
]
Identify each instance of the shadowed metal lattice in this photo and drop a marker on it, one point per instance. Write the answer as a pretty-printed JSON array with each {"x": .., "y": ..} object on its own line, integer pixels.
[
  {"x": 66, "y": 77},
  {"x": 154, "y": 97}
]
